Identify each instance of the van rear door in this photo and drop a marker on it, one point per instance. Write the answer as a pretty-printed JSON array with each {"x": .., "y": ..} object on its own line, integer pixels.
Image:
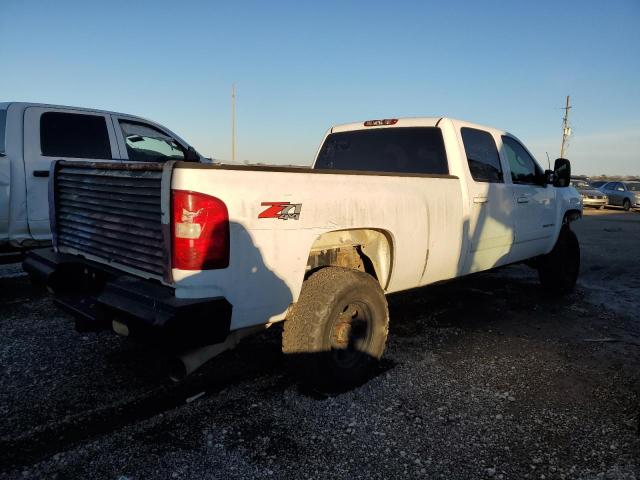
[{"x": 56, "y": 133}]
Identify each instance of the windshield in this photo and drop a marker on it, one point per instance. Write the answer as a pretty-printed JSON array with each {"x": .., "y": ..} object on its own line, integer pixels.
[
  {"x": 634, "y": 187},
  {"x": 3, "y": 121},
  {"x": 581, "y": 184}
]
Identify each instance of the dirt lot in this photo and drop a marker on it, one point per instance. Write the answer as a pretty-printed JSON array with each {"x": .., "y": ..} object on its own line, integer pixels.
[{"x": 483, "y": 378}]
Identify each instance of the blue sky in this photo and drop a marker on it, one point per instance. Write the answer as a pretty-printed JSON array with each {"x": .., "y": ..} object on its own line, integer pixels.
[{"x": 303, "y": 66}]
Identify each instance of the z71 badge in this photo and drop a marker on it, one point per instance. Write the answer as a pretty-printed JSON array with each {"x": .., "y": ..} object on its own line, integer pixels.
[{"x": 281, "y": 210}]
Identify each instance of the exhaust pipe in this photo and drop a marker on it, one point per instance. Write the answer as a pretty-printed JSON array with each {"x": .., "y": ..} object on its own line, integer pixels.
[{"x": 188, "y": 362}]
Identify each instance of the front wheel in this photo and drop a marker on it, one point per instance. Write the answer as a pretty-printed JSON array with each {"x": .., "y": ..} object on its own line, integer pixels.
[
  {"x": 558, "y": 270},
  {"x": 626, "y": 205},
  {"x": 337, "y": 331}
]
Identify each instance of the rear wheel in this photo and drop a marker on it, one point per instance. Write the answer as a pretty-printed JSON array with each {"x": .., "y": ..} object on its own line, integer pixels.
[
  {"x": 626, "y": 205},
  {"x": 558, "y": 270},
  {"x": 337, "y": 330}
]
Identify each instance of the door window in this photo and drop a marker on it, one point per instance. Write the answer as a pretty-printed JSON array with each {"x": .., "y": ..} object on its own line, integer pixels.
[
  {"x": 74, "y": 135},
  {"x": 619, "y": 187},
  {"x": 149, "y": 144},
  {"x": 482, "y": 155},
  {"x": 524, "y": 168}
]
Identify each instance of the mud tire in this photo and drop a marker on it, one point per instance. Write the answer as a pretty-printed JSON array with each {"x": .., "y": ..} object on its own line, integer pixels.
[
  {"x": 330, "y": 299},
  {"x": 558, "y": 270}
]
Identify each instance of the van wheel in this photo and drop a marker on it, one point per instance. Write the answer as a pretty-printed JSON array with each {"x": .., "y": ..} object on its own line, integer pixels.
[
  {"x": 558, "y": 270},
  {"x": 626, "y": 205},
  {"x": 337, "y": 331}
]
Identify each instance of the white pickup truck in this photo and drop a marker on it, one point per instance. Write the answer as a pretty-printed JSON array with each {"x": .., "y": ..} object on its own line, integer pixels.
[
  {"x": 32, "y": 135},
  {"x": 196, "y": 256}
]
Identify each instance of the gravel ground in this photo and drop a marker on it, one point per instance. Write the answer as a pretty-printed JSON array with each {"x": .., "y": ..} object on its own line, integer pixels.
[{"x": 483, "y": 378}]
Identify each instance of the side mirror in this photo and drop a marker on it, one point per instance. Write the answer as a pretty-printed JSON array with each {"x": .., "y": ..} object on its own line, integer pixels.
[
  {"x": 561, "y": 172},
  {"x": 192, "y": 155}
]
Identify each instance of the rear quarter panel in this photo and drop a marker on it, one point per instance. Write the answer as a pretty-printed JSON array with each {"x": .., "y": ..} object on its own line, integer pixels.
[{"x": 269, "y": 255}]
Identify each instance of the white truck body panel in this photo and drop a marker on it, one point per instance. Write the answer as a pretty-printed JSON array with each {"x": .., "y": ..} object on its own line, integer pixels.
[{"x": 429, "y": 207}]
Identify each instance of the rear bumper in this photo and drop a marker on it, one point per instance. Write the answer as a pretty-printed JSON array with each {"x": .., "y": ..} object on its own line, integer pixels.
[{"x": 97, "y": 295}]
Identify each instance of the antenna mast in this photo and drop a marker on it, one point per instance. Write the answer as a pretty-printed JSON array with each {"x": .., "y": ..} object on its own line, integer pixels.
[
  {"x": 233, "y": 122},
  {"x": 566, "y": 129}
]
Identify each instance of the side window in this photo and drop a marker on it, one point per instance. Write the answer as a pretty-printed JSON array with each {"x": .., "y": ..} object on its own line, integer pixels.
[
  {"x": 524, "y": 168},
  {"x": 482, "y": 155},
  {"x": 74, "y": 135},
  {"x": 619, "y": 187},
  {"x": 148, "y": 144}
]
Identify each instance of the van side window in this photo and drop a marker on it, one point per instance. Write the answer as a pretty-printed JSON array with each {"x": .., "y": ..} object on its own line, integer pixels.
[
  {"x": 148, "y": 144},
  {"x": 403, "y": 150},
  {"x": 74, "y": 135},
  {"x": 482, "y": 155},
  {"x": 524, "y": 168}
]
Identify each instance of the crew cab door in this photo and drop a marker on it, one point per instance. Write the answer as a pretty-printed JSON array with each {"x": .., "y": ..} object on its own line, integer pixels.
[
  {"x": 490, "y": 227},
  {"x": 534, "y": 202},
  {"x": 56, "y": 133}
]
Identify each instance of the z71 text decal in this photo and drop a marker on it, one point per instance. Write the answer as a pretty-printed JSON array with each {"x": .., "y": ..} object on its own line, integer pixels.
[{"x": 281, "y": 210}]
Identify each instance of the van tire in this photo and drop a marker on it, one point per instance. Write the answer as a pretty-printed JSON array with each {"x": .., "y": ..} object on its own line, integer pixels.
[
  {"x": 558, "y": 270},
  {"x": 337, "y": 331}
]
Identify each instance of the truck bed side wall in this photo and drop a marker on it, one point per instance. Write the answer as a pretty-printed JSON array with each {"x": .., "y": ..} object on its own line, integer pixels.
[{"x": 420, "y": 216}]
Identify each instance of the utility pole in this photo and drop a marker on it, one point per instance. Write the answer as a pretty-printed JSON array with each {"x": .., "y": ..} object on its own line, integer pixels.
[
  {"x": 566, "y": 129},
  {"x": 233, "y": 122}
]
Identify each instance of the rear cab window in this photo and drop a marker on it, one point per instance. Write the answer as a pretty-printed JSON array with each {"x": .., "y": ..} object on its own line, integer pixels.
[
  {"x": 482, "y": 155},
  {"x": 3, "y": 126},
  {"x": 74, "y": 135},
  {"x": 402, "y": 150}
]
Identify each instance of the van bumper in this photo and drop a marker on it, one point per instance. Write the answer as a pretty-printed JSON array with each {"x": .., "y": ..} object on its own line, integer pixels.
[{"x": 101, "y": 298}]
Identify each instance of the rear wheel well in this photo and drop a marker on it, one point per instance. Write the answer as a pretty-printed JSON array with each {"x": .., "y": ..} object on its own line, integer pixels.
[{"x": 366, "y": 250}]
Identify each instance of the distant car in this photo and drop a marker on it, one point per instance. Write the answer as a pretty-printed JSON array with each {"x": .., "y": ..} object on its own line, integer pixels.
[
  {"x": 635, "y": 188},
  {"x": 620, "y": 195},
  {"x": 590, "y": 196}
]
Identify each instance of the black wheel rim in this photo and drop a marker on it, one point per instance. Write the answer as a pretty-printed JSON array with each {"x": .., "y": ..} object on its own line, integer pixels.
[{"x": 350, "y": 334}]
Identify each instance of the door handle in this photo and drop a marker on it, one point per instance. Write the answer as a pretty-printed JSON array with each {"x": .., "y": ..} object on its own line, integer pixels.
[
  {"x": 523, "y": 199},
  {"x": 480, "y": 199},
  {"x": 41, "y": 173}
]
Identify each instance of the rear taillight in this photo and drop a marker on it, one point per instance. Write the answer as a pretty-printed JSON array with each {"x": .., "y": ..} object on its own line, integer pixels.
[{"x": 200, "y": 230}]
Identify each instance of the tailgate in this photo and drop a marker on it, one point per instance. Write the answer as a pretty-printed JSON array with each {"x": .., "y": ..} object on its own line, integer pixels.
[{"x": 112, "y": 213}]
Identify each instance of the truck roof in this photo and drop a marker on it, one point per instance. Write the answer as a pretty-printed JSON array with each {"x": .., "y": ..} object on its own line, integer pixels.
[
  {"x": 24, "y": 105},
  {"x": 409, "y": 122}
]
